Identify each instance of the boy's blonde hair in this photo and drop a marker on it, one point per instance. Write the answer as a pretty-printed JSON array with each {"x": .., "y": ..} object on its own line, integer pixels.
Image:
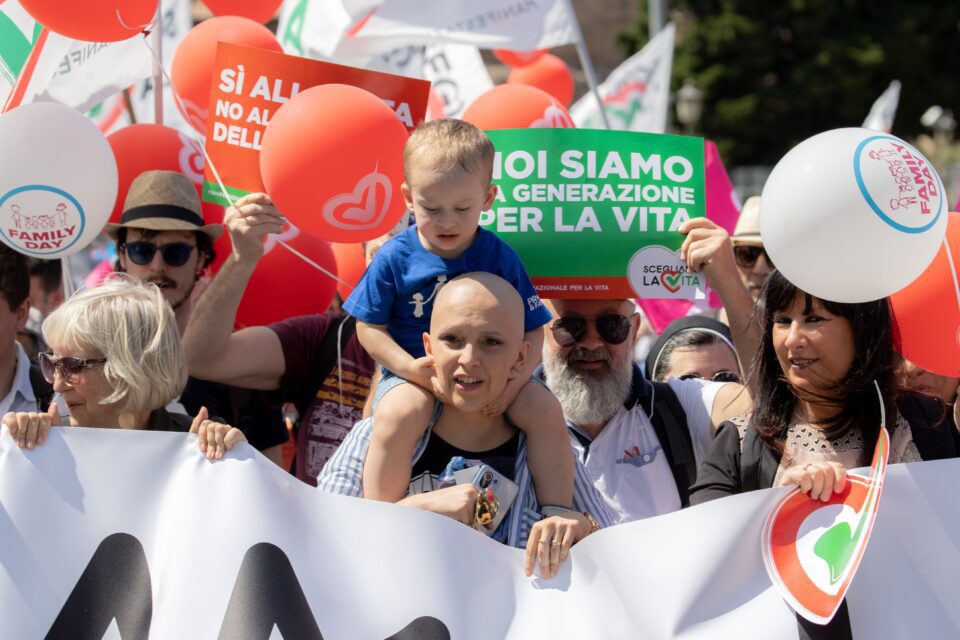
[{"x": 448, "y": 145}]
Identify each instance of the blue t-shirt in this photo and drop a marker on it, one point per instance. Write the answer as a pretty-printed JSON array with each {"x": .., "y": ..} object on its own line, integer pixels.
[{"x": 400, "y": 284}]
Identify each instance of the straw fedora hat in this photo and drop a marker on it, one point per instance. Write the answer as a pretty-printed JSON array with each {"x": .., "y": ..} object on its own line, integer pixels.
[
  {"x": 163, "y": 201},
  {"x": 747, "y": 231}
]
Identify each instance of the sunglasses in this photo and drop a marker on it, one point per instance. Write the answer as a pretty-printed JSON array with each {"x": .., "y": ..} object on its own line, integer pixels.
[
  {"x": 747, "y": 256},
  {"x": 175, "y": 254},
  {"x": 613, "y": 328},
  {"x": 68, "y": 366},
  {"x": 719, "y": 376}
]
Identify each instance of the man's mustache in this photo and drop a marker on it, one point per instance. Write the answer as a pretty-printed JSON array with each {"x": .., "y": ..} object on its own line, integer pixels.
[{"x": 589, "y": 355}]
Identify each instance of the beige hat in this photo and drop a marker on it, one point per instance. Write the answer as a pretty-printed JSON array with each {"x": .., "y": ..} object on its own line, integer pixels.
[
  {"x": 163, "y": 201},
  {"x": 747, "y": 230}
]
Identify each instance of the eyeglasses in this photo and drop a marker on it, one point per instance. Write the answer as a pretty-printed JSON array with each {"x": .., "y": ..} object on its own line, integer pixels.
[
  {"x": 174, "y": 254},
  {"x": 719, "y": 376},
  {"x": 613, "y": 328},
  {"x": 68, "y": 366},
  {"x": 747, "y": 256}
]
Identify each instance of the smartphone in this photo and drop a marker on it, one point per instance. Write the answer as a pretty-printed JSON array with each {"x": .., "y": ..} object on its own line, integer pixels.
[{"x": 497, "y": 493}]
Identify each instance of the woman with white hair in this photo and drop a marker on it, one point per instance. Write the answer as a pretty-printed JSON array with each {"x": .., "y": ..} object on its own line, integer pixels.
[{"x": 117, "y": 362}]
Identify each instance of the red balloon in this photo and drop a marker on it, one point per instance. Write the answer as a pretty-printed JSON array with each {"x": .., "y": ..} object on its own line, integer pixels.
[
  {"x": 258, "y": 10},
  {"x": 351, "y": 263},
  {"x": 283, "y": 284},
  {"x": 513, "y": 58},
  {"x": 332, "y": 160},
  {"x": 517, "y": 106},
  {"x": 928, "y": 311},
  {"x": 549, "y": 73},
  {"x": 192, "y": 67},
  {"x": 93, "y": 20},
  {"x": 149, "y": 147},
  {"x": 436, "y": 110}
]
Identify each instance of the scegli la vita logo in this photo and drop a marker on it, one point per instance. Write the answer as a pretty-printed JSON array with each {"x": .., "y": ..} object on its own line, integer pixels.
[{"x": 812, "y": 549}]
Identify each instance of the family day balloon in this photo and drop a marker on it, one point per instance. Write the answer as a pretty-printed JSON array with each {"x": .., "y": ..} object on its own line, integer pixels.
[
  {"x": 549, "y": 73},
  {"x": 853, "y": 215},
  {"x": 58, "y": 180},
  {"x": 517, "y": 106},
  {"x": 258, "y": 10},
  {"x": 192, "y": 67},
  {"x": 513, "y": 58},
  {"x": 93, "y": 20},
  {"x": 332, "y": 160},
  {"x": 151, "y": 147},
  {"x": 928, "y": 311}
]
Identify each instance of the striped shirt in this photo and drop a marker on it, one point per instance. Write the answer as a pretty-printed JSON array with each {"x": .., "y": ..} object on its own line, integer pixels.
[{"x": 343, "y": 474}]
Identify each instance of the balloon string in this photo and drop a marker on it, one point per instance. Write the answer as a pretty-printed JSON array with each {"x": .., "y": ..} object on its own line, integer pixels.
[
  {"x": 953, "y": 270},
  {"x": 216, "y": 174}
]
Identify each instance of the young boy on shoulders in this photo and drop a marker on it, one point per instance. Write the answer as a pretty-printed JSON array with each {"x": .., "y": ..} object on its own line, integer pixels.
[{"x": 448, "y": 167}]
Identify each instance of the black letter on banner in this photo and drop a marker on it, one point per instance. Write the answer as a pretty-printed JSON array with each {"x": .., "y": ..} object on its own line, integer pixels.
[
  {"x": 267, "y": 593},
  {"x": 425, "y": 628},
  {"x": 115, "y": 584}
]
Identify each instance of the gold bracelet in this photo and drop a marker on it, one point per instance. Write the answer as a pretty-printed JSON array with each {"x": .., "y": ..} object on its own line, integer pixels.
[{"x": 594, "y": 525}]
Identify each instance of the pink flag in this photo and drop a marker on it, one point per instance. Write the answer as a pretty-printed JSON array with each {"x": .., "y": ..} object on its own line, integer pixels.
[{"x": 723, "y": 207}]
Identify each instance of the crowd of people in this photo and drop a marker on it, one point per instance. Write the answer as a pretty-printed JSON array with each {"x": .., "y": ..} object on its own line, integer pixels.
[{"x": 444, "y": 383}]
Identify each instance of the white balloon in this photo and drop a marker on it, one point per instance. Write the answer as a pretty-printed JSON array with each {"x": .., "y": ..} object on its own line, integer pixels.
[
  {"x": 853, "y": 215},
  {"x": 58, "y": 180}
]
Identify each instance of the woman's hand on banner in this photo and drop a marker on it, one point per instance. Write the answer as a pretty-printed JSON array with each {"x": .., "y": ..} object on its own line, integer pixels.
[{"x": 30, "y": 428}]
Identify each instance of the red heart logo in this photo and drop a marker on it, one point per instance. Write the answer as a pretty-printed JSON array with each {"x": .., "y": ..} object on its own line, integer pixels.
[
  {"x": 362, "y": 208},
  {"x": 672, "y": 275}
]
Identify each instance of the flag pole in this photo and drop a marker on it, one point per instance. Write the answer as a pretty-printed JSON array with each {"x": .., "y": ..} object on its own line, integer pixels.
[
  {"x": 26, "y": 73},
  {"x": 157, "y": 35},
  {"x": 587, "y": 65}
]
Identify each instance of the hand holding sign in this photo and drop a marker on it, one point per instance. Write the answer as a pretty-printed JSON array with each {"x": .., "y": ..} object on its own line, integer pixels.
[
  {"x": 332, "y": 160},
  {"x": 852, "y": 216},
  {"x": 58, "y": 180}
]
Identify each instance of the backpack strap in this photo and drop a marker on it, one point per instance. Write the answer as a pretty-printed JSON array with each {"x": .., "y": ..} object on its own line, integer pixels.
[
  {"x": 670, "y": 424},
  {"x": 758, "y": 462},
  {"x": 41, "y": 388},
  {"x": 326, "y": 358}
]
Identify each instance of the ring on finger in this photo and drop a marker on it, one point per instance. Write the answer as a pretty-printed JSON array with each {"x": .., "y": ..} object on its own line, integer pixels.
[{"x": 555, "y": 543}]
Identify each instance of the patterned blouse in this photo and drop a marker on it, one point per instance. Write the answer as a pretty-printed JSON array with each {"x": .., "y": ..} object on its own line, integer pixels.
[{"x": 805, "y": 443}]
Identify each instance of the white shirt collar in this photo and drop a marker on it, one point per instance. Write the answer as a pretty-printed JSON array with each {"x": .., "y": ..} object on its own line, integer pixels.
[{"x": 21, "y": 382}]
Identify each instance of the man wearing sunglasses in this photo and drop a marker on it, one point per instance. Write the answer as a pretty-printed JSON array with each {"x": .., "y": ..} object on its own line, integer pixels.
[
  {"x": 640, "y": 441},
  {"x": 162, "y": 238},
  {"x": 753, "y": 263}
]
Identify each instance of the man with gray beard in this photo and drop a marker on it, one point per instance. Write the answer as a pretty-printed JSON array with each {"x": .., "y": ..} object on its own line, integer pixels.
[{"x": 640, "y": 441}]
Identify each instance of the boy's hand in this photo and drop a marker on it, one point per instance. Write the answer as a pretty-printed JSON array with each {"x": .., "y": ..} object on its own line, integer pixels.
[
  {"x": 421, "y": 372},
  {"x": 506, "y": 397}
]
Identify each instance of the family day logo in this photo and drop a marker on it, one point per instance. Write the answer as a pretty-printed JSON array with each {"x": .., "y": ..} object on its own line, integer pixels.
[
  {"x": 40, "y": 220},
  {"x": 811, "y": 549},
  {"x": 363, "y": 208},
  {"x": 898, "y": 183},
  {"x": 657, "y": 272}
]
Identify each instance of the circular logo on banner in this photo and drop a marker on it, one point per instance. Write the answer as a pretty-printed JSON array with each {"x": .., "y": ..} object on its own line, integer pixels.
[
  {"x": 899, "y": 184},
  {"x": 40, "y": 221},
  {"x": 655, "y": 272}
]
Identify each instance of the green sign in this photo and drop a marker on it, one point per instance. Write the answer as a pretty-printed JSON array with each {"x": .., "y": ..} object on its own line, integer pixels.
[{"x": 595, "y": 213}]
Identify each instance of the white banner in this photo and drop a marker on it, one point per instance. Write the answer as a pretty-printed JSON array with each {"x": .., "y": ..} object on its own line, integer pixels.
[
  {"x": 137, "y": 533},
  {"x": 884, "y": 109},
  {"x": 637, "y": 93},
  {"x": 458, "y": 74},
  {"x": 337, "y": 29}
]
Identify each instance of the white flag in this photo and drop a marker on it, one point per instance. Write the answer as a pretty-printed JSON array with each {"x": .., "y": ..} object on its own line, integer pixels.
[
  {"x": 637, "y": 93},
  {"x": 884, "y": 109},
  {"x": 458, "y": 75},
  {"x": 352, "y": 28}
]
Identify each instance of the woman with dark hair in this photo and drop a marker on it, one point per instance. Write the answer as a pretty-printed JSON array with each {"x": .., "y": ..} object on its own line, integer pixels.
[{"x": 816, "y": 412}]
